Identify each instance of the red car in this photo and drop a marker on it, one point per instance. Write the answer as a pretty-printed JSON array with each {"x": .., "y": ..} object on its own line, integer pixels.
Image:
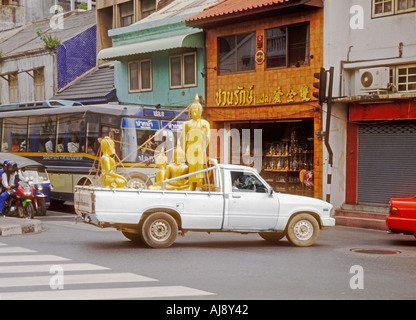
[{"x": 402, "y": 216}]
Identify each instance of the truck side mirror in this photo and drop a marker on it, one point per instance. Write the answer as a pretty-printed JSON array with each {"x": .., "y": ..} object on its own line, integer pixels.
[{"x": 271, "y": 191}]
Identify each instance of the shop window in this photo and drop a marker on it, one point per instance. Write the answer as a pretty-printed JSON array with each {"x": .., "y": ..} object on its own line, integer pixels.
[
  {"x": 236, "y": 53},
  {"x": 42, "y": 131},
  {"x": 71, "y": 134},
  {"x": 406, "y": 78},
  {"x": 182, "y": 70},
  {"x": 14, "y": 135},
  {"x": 140, "y": 75},
  {"x": 287, "y": 46},
  {"x": 287, "y": 154}
]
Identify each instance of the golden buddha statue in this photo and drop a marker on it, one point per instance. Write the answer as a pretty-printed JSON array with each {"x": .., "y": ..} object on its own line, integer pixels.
[
  {"x": 196, "y": 133},
  {"x": 176, "y": 169},
  {"x": 161, "y": 162},
  {"x": 109, "y": 176}
]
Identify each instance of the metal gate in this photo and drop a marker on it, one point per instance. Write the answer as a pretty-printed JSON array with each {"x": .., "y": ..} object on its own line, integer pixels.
[{"x": 386, "y": 162}]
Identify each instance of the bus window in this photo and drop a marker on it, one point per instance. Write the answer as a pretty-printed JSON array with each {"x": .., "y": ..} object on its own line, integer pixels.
[
  {"x": 138, "y": 146},
  {"x": 71, "y": 133},
  {"x": 142, "y": 140},
  {"x": 14, "y": 135},
  {"x": 113, "y": 133},
  {"x": 42, "y": 132},
  {"x": 93, "y": 131}
]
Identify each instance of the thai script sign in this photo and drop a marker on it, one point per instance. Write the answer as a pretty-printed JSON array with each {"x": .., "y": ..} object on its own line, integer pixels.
[
  {"x": 140, "y": 124},
  {"x": 174, "y": 126},
  {"x": 247, "y": 96}
]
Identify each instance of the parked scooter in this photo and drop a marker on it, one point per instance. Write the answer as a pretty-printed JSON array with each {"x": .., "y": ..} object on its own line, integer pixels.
[{"x": 20, "y": 202}]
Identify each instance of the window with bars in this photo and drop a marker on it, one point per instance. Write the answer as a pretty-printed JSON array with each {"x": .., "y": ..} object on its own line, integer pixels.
[
  {"x": 389, "y": 7},
  {"x": 406, "y": 78}
]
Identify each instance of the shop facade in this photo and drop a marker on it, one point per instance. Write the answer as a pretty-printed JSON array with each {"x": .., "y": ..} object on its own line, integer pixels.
[
  {"x": 381, "y": 141},
  {"x": 259, "y": 79}
]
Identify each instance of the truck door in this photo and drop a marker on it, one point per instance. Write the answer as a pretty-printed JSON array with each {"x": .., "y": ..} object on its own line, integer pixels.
[{"x": 250, "y": 206}]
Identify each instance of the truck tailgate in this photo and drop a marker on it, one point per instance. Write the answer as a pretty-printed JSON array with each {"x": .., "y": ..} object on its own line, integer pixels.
[{"x": 83, "y": 202}]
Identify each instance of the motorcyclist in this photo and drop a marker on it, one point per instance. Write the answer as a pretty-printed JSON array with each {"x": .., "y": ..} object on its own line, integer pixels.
[{"x": 10, "y": 179}]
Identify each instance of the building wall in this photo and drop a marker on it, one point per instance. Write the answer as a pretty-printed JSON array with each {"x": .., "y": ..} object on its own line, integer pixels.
[
  {"x": 76, "y": 56},
  {"x": 264, "y": 82},
  {"x": 161, "y": 93},
  {"x": 349, "y": 49},
  {"x": 11, "y": 17},
  {"x": 25, "y": 81}
]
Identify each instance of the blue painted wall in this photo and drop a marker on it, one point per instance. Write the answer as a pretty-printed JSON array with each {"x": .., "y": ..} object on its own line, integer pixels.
[
  {"x": 161, "y": 93},
  {"x": 76, "y": 56}
]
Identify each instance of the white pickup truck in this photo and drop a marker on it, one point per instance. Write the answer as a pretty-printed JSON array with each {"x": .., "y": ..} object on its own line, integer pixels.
[{"x": 234, "y": 199}]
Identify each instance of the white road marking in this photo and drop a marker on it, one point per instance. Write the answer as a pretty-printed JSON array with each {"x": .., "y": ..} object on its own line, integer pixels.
[
  {"x": 47, "y": 267},
  {"x": 106, "y": 294},
  {"x": 73, "y": 279}
]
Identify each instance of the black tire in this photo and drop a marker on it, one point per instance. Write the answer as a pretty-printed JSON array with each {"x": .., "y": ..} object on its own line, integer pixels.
[
  {"x": 272, "y": 236},
  {"x": 303, "y": 230},
  {"x": 29, "y": 211},
  {"x": 41, "y": 207},
  {"x": 159, "y": 230},
  {"x": 134, "y": 237}
]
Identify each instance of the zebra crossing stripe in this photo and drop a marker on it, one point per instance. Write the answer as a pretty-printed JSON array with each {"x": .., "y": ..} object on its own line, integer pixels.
[
  {"x": 74, "y": 279},
  {"x": 10, "y": 255},
  {"x": 34, "y": 268},
  {"x": 31, "y": 258},
  {"x": 106, "y": 294},
  {"x": 6, "y": 249}
]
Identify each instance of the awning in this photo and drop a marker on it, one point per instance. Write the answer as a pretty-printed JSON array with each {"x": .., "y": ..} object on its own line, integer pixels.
[{"x": 191, "y": 39}]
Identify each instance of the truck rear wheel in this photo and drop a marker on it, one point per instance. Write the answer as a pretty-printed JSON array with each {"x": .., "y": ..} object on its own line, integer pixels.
[
  {"x": 159, "y": 230},
  {"x": 303, "y": 230}
]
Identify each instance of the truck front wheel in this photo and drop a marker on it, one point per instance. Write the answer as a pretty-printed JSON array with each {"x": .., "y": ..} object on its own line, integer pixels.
[
  {"x": 303, "y": 230},
  {"x": 159, "y": 230}
]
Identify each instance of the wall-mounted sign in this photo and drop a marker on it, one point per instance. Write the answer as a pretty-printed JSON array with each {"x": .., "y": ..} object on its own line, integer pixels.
[
  {"x": 259, "y": 42},
  {"x": 247, "y": 96},
  {"x": 140, "y": 124},
  {"x": 259, "y": 57}
]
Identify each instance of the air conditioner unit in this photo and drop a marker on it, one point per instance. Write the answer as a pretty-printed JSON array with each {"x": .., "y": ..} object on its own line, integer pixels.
[{"x": 374, "y": 79}]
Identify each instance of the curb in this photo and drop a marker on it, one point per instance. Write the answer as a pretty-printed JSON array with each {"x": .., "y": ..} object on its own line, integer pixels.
[{"x": 16, "y": 226}]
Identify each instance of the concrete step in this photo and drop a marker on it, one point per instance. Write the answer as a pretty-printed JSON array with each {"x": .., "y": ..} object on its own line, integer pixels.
[{"x": 361, "y": 219}]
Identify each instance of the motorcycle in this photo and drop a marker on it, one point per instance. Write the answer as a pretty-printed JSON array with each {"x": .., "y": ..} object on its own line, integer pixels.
[
  {"x": 39, "y": 200},
  {"x": 20, "y": 202}
]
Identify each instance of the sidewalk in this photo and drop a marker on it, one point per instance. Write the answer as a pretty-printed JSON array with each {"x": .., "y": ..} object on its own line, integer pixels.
[{"x": 16, "y": 226}]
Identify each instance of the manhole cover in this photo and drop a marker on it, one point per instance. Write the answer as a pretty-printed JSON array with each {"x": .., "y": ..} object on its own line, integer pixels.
[{"x": 375, "y": 251}]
